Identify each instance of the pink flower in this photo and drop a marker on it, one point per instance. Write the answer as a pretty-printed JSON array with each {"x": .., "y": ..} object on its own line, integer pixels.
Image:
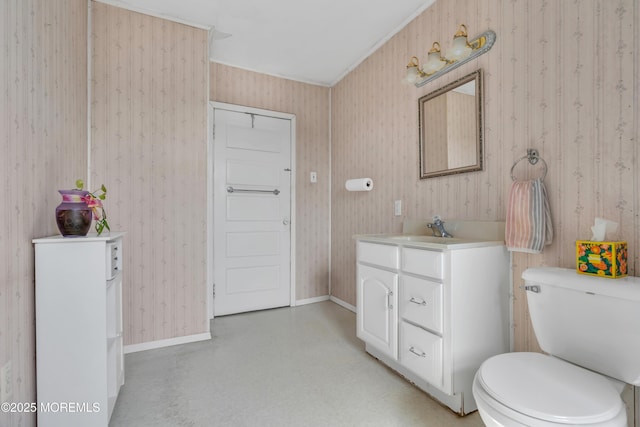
[
  {"x": 92, "y": 202},
  {"x": 95, "y": 204},
  {"x": 96, "y": 214}
]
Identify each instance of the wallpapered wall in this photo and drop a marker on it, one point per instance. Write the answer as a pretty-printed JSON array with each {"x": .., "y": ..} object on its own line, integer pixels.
[
  {"x": 43, "y": 140},
  {"x": 149, "y": 147},
  {"x": 310, "y": 104},
  {"x": 559, "y": 79}
]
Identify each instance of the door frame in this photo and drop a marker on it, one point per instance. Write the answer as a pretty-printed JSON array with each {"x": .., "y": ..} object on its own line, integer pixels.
[{"x": 213, "y": 105}]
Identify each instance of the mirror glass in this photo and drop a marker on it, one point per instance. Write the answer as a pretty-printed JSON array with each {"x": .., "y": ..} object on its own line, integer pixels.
[{"x": 450, "y": 128}]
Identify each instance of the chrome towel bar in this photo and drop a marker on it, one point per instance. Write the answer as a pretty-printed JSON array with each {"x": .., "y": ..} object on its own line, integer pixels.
[
  {"x": 533, "y": 157},
  {"x": 238, "y": 190}
]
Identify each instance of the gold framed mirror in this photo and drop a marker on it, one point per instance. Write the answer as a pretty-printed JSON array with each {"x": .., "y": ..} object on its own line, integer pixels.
[{"x": 450, "y": 128}]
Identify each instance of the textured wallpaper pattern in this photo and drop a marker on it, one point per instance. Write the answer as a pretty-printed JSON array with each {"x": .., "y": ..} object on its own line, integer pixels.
[
  {"x": 149, "y": 147},
  {"x": 310, "y": 104},
  {"x": 559, "y": 79},
  {"x": 43, "y": 140}
]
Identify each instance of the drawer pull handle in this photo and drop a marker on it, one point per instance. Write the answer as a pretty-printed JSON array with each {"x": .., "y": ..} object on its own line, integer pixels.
[
  {"x": 418, "y": 353},
  {"x": 418, "y": 301}
]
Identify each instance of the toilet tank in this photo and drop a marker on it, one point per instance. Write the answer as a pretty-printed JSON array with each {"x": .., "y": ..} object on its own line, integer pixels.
[{"x": 590, "y": 321}]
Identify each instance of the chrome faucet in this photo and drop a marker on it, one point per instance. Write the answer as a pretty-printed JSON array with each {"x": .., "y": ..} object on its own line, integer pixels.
[{"x": 438, "y": 224}]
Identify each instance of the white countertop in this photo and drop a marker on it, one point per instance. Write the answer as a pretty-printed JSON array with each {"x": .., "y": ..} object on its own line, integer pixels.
[
  {"x": 91, "y": 237},
  {"x": 427, "y": 242}
]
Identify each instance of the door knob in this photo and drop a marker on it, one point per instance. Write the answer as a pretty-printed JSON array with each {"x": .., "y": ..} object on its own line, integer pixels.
[{"x": 285, "y": 221}]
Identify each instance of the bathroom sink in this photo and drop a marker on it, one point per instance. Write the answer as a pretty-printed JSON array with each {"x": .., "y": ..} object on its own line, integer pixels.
[
  {"x": 434, "y": 242},
  {"x": 427, "y": 239}
]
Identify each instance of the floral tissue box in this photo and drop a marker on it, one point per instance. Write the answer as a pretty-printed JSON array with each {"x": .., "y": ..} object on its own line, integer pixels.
[{"x": 605, "y": 259}]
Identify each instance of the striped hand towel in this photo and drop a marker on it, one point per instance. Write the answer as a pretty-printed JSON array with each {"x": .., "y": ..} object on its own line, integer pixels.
[{"x": 528, "y": 227}]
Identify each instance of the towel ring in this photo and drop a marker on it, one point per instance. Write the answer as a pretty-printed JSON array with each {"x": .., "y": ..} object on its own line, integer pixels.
[{"x": 533, "y": 157}]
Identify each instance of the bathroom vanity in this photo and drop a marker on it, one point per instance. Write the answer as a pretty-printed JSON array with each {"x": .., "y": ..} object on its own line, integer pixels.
[{"x": 433, "y": 309}]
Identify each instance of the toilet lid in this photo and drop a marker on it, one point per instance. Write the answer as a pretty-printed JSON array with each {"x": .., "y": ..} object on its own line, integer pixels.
[{"x": 550, "y": 389}]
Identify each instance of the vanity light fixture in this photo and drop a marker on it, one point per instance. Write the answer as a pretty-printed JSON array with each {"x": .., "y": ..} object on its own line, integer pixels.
[{"x": 461, "y": 52}]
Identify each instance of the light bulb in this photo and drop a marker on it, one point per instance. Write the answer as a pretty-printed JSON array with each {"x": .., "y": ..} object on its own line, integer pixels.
[
  {"x": 460, "y": 48},
  {"x": 412, "y": 74},
  {"x": 434, "y": 60}
]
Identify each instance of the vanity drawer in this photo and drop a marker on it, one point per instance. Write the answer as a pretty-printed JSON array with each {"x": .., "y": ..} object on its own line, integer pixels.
[
  {"x": 423, "y": 262},
  {"x": 421, "y": 302},
  {"x": 421, "y": 353},
  {"x": 383, "y": 255},
  {"x": 114, "y": 259}
]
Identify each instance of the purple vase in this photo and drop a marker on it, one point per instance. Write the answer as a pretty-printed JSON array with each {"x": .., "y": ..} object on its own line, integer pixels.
[{"x": 73, "y": 216}]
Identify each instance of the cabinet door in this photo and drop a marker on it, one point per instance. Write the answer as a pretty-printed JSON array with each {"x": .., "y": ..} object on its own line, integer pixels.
[{"x": 377, "y": 320}]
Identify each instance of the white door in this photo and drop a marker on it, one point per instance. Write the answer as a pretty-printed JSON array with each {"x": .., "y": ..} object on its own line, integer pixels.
[{"x": 252, "y": 204}]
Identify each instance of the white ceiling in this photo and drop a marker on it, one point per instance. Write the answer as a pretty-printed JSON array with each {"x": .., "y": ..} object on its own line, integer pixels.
[{"x": 314, "y": 41}]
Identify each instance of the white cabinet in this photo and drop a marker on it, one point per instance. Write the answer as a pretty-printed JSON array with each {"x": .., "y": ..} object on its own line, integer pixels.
[
  {"x": 434, "y": 315},
  {"x": 79, "y": 346}
]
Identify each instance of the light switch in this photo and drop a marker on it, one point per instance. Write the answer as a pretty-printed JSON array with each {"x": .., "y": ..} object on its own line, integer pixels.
[
  {"x": 397, "y": 208},
  {"x": 313, "y": 177},
  {"x": 6, "y": 382}
]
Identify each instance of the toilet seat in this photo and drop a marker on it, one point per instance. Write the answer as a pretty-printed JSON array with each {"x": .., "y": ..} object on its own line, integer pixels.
[{"x": 549, "y": 389}]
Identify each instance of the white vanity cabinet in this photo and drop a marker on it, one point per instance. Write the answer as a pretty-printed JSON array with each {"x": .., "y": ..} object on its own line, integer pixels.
[
  {"x": 79, "y": 346},
  {"x": 434, "y": 313}
]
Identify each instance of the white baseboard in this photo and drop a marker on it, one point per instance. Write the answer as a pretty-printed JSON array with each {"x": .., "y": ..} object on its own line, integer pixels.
[
  {"x": 343, "y": 304},
  {"x": 312, "y": 300},
  {"x": 151, "y": 345},
  {"x": 326, "y": 298}
]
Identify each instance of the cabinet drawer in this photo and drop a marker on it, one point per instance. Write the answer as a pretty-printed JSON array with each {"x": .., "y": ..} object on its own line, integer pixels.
[
  {"x": 423, "y": 262},
  {"x": 383, "y": 255},
  {"x": 421, "y": 353},
  {"x": 421, "y": 302},
  {"x": 114, "y": 259}
]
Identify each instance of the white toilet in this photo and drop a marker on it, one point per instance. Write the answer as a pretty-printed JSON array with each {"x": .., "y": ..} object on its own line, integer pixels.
[{"x": 590, "y": 326}]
